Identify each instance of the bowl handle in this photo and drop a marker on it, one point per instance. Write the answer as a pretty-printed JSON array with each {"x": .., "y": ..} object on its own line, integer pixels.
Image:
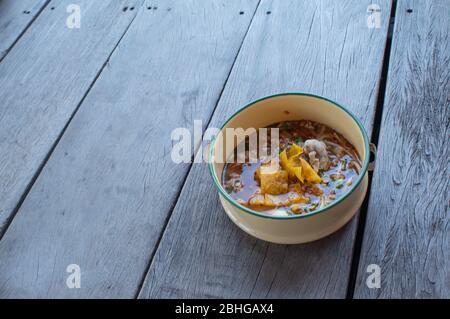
[{"x": 373, "y": 150}]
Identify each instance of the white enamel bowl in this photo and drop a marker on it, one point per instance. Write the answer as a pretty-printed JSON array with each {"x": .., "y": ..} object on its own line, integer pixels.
[{"x": 305, "y": 227}]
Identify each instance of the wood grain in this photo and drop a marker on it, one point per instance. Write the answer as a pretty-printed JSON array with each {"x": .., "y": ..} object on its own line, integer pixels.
[
  {"x": 407, "y": 231},
  {"x": 322, "y": 47},
  {"x": 103, "y": 198},
  {"x": 15, "y": 17},
  {"x": 43, "y": 79}
]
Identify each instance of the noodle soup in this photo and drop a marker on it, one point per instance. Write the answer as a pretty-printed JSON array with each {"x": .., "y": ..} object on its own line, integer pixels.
[{"x": 315, "y": 166}]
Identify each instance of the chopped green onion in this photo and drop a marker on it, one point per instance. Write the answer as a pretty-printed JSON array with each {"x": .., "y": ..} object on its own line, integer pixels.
[
  {"x": 229, "y": 188},
  {"x": 284, "y": 126}
]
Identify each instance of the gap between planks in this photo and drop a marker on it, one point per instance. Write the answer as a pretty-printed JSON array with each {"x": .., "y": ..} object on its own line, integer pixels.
[
  {"x": 166, "y": 221},
  {"x": 374, "y": 139}
]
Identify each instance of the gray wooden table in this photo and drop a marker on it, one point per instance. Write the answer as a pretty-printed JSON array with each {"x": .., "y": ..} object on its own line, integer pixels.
[{"x": 86, "y": 114}]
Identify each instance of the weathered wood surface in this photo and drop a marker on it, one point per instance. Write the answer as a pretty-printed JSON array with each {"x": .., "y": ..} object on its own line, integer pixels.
[
  {"x": 43, "y": 79},
  {"x": 323, "y": 47},
  {"x": 407, "y": 231},
  {"x": 103, "y": 197},
  {"x": 15, "y": 17}
]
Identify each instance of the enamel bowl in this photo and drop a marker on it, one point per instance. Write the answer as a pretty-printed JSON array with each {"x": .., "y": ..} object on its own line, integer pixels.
[{"x": 304, "y": 227}]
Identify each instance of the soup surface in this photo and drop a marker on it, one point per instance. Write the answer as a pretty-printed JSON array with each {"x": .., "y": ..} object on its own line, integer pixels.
[{"x": 315, "y": 166}]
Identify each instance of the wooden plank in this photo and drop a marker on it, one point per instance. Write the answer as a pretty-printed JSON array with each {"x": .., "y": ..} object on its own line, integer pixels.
[
  {"x": 104, "y": 195},
  {"x": 407, "y": 231},
  {"x": 15, "y": 17},
  {"x": 321, "y": 47},
  {"x": 43, "y": 79}
]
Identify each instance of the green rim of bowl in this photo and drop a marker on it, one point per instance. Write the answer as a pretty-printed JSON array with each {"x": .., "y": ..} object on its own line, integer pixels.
[{"x": 222, "y": 191}]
